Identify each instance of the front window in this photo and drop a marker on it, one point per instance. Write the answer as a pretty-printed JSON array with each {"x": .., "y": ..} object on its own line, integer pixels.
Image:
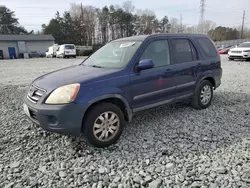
[
  {"x": 245, "y": 45},
  {"x": 115, "y": 54}
]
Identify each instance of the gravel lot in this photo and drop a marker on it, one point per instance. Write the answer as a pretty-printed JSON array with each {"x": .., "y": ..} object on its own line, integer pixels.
[{"x": 170, "y": 146}]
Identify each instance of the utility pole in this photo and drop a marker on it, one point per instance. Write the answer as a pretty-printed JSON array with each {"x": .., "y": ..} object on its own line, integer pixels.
[
  {"x": 243, "y": 22},
  {"x": 81, "y": 25},
  {"x": 181, "y": 23},
  {"x": 202, "y": 15}
]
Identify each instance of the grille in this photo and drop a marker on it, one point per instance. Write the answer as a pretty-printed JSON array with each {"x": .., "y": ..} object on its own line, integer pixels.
[
  {"x": 34, "y": 94},
  {"x": 237, "y": 52}
]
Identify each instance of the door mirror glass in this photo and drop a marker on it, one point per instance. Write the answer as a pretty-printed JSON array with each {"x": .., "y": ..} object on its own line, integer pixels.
[{"x": 145, "y": 64}]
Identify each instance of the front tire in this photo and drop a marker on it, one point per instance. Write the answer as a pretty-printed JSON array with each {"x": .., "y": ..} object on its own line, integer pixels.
[
  {"x": 203, "y": 95},
  {"x": 103, "y": 125}
]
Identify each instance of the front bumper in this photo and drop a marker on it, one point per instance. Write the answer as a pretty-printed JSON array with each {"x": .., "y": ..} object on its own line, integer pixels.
[
  {"x": 64, "y": 119},
  {"x": 243, "y": 55}
]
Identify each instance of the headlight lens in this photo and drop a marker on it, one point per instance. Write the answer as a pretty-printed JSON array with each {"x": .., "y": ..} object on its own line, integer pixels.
[
  {"x": 246, "y": 51},
  {"x": 63, "y": 94}
]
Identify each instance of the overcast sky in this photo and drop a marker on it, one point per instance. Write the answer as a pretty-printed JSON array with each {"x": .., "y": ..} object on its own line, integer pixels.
[{"x": 223, "y": 12}]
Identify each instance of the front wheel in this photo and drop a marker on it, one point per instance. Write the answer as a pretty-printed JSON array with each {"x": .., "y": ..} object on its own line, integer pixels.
[
  {"x": 103, "y": 125},
  {"x": 203, "y": 95}
]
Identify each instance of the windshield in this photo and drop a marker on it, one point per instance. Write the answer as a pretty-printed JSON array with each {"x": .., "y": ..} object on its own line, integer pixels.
[
  {"x": 245, "y": 45},
  {"x": 115, "y": 54},
  {"x": 69, "y": 47}
]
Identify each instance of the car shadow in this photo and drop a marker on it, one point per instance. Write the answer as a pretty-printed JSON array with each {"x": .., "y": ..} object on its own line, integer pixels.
[{"x": 178, "y": 128}]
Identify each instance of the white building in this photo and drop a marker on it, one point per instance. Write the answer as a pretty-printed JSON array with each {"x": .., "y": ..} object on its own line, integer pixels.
[{"x": 15, "y": 45}]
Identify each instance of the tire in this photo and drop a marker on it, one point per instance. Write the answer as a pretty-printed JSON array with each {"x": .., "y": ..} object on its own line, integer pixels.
[
  {"x": 206, "y": 87},
  {"x": 92, "y": 118}
]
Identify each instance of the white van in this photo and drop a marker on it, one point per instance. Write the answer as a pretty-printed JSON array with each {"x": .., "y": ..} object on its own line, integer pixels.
[
  {"x": 51, "y": 51},
  {"x": 66, "y": 50}
]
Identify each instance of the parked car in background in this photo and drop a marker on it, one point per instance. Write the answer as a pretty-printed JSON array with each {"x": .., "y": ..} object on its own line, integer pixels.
[
  {"x": 123, "y": 77},
  {"x": 225, "y": 50},
  {"x": 51, "y": 51},
  {"x": 240, "y": 52},
  {"x": 66, "y": 50}
]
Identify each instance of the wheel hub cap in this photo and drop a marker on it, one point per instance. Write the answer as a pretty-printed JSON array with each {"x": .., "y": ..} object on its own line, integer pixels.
[
  {"x": 206, "y": 94},
  {"x": 106, "y": 126}
]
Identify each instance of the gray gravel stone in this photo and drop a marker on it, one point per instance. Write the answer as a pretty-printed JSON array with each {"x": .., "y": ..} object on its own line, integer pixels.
[
  {"x": 42, "y": 169},
  {"x": 101, "y": 170},
  {"x": 221, "y": 170},
  {"x": 172, "y": 143},
  {"x": 155, "y": 183},
  {"x": 137, "y": 179},
  {"x": 62, "y": 174},
  {"x": 15, "y": 164},
  {"x": 169, "y": 165}
]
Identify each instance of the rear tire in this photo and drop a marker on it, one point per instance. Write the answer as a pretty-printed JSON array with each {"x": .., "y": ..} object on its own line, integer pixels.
[
  {"x": 103, "y": 125},
  {"x": 203, "y": 95}
]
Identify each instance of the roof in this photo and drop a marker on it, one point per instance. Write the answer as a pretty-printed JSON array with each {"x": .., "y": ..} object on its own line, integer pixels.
[
  {"x": 143, "y": 37},
  {"x": 26, "y": 38}
]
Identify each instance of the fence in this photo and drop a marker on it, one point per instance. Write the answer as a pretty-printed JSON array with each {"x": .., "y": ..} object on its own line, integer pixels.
[{"x": 232, "y": 42}]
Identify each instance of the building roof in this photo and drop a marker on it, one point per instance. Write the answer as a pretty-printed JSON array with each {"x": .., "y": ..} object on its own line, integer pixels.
[{"x": 26, "y": 38}]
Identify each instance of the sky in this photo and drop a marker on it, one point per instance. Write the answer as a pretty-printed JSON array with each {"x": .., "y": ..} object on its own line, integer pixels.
[{"x": 226, "y": 13}]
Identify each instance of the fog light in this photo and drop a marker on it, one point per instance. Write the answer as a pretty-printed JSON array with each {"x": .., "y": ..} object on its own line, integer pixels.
[{"x": 53, "y": 120}]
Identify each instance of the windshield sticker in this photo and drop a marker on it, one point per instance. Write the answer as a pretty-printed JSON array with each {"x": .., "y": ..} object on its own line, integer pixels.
[{"x": 125, "y": 45}]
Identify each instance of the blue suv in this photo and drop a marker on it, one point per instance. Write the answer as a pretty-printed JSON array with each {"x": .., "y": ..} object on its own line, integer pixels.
[{"x": 125, "y": 76}]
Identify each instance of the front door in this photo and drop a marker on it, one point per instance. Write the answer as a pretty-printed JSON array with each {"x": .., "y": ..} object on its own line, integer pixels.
[
  {"x": 12, "y": 52},
  {"x": 152, "y": 86}
]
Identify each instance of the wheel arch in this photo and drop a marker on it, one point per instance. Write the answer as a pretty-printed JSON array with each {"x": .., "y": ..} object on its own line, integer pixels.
[{"x": 115, "y": 99}]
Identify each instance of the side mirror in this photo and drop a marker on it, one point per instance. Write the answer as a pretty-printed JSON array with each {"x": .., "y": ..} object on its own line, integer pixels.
[{"x": 145, "y": 64}]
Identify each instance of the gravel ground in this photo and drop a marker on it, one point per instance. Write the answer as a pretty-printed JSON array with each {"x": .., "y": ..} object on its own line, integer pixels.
[{"x": 170, "y": 146}]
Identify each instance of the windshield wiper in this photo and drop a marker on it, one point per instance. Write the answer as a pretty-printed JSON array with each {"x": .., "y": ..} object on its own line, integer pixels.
[{"x": 97, "y": 66}]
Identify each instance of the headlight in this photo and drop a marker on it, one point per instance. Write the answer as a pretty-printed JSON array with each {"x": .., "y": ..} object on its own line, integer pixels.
[
  {"x": 63, "y": 94},
  {"x": 246, "y": 51}
]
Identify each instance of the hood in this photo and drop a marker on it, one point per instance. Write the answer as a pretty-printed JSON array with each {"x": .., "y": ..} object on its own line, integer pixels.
[
  {"x": 240, "y": 49},
  {"x": 69, "y": 75}
]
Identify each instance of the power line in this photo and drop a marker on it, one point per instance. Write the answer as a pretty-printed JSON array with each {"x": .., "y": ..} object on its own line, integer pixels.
[{"x": 243, "y": 21}]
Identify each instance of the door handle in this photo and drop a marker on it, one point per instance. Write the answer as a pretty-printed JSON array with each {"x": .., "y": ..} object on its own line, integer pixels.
[{"x": 168, "y": 70}]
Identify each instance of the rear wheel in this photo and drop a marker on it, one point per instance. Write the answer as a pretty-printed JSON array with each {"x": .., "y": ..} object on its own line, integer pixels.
[
  {"x": 103, "y": 125},
  {"x": 203, "y": 95}
]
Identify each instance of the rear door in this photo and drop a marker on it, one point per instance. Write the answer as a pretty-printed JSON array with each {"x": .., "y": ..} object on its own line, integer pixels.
[{"x": 186, "y": 61}]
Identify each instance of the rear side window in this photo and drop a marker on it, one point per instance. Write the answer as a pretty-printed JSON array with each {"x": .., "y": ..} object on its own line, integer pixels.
[
  {"x": 184, "y": 51},
  {"x": 207, "y": 47}
]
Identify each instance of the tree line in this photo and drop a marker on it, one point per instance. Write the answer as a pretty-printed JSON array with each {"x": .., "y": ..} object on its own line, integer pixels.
[{"x": 88, "y": 25}]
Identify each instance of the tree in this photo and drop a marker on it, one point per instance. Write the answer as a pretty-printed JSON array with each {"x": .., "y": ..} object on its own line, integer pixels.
[
  {"x": 223, "y": 33},
  {"x": 165, "y": 25},
  {"x": 9, "y": 23},
  {"x": 55, "y": 28},
  {"x": 128, "y": 6}
]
